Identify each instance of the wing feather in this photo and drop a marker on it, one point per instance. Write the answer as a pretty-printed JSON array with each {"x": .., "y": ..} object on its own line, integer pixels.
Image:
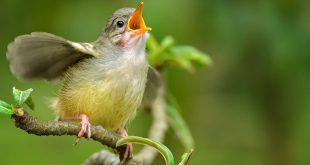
[{"x": 46, "y": 56}]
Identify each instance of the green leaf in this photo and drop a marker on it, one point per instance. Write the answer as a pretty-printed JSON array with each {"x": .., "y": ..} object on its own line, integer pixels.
[
  {"x": 178, "y": 124},
  {"x": 179, "y": 62},
  {"x": 184, "y": 57},
  {"x": 188, "y": 57},
  {"x": 157, "y": 56},
  {"x": 186, "y": 157},
  {"x": 163, "y": 150},
  {"x": 30, "y": 103},
  {"x": 197, "y": 57},
  {"x": 6, "y": 108},
  {"x": 21, "y": 97},
  {"x": 167, "y": 42}
]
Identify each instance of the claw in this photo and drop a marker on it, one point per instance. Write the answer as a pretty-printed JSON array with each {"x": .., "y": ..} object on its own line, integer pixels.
[
  {"x": 85, "y": 128},
  {"x": 128, "y": 152}
]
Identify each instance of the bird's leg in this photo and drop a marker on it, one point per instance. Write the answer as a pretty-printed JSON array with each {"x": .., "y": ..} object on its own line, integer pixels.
[
  {"x": 128, "y": 152},
  {"x": 85, "y": 125}
]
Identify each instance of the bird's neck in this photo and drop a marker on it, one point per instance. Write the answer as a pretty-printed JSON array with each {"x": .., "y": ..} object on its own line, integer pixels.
[{"x": 133, "y": 50}]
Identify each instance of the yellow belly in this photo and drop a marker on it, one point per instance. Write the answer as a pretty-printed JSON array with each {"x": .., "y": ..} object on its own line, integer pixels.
[{"x": 111, "y": 104}]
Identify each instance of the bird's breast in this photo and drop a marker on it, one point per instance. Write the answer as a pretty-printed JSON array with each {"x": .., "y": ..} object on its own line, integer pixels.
[{"x": 108, "y": 93}]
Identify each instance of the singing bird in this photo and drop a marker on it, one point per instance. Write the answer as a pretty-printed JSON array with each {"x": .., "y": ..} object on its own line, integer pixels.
[{"x": 103, "y": 81}]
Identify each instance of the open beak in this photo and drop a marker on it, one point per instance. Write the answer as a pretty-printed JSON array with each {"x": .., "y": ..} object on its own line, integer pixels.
[{"x": 136, "y": 23}]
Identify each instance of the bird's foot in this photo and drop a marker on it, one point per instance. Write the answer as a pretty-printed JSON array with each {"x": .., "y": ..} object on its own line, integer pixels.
[
  {"x": 128, "y": 151},
  {"x": 85, "y": 128}
]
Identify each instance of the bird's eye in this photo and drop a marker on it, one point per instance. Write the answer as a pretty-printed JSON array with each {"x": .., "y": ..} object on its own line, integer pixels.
[{"x": 120, "y": 24}]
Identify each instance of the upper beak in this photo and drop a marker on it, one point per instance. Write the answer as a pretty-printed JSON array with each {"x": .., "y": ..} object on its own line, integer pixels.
[{"x": 136, "y": 23}]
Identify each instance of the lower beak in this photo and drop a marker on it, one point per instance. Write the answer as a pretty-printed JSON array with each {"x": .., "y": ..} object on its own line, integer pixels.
[{"x": 136, "y": 23}]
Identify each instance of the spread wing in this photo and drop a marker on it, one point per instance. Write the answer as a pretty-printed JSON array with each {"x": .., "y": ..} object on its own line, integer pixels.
[{"x": 42, "y": 55}]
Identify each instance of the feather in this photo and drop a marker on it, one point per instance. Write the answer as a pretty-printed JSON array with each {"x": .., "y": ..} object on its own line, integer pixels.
[{"x": 42, "y": 55}]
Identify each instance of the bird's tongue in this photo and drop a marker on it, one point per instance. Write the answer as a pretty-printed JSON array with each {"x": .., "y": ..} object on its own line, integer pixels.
[{"x": 136, "y": 23}]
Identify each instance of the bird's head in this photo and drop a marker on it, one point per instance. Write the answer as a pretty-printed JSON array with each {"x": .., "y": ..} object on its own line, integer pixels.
[{"x": 126, "y": 27}]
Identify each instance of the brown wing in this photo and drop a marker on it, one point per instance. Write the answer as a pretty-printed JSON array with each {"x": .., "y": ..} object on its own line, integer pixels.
[{"x": 43, "y": 55}]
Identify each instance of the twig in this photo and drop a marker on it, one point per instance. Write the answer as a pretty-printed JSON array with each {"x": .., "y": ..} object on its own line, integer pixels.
[
  {"x": 158, "y": 129},
  {"x": 60, "y": 128}
]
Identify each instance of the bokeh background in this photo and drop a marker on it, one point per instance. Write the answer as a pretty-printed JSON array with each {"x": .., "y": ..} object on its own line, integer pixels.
[{"x": 250, "y": 108}]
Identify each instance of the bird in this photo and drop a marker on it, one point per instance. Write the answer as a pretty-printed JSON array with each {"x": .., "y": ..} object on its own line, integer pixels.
[{"x": 103, "y": 82}]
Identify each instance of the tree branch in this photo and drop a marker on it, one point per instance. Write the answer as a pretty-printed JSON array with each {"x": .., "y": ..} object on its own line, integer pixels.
[
  {"x": 60, "y": 128},
  {"x": 158, "y": 129}
]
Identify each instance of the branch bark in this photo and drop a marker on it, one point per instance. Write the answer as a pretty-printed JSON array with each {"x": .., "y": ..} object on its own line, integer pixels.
[{"x": 59, "y": 128}]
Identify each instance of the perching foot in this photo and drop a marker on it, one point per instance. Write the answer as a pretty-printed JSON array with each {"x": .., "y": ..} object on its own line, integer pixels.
[
  {"x": 85, "y": 128},
  {"x": 128, "y": 152}
]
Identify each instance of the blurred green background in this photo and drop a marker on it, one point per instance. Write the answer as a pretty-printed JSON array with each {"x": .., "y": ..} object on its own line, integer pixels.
[{"x": 250, "y": 108}]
